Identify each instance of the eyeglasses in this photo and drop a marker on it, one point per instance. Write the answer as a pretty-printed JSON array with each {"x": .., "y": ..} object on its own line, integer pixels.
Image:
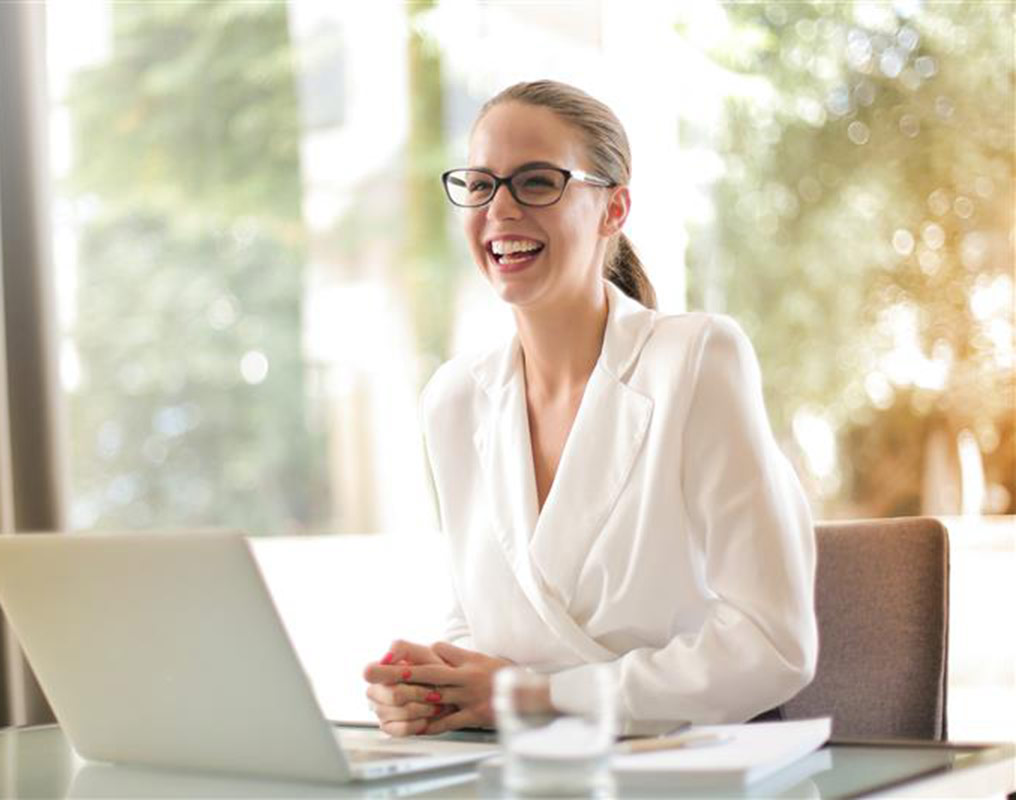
[{"x": 530, "y": 186}]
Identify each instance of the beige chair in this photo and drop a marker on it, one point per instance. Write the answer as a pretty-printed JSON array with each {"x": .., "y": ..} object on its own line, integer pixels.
[{"x": 882, "y": 599}]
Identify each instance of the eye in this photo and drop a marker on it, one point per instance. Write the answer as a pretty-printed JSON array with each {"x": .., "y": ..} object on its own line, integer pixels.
[
  {"x": 538, "y": 185},
  {"x": 480, "y": 185}
]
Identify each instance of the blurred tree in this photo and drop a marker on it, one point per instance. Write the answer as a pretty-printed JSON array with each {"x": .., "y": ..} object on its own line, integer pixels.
[
  {"x": 864, "y": 233},
  {"x": 430, "y": 265},
  {"x": 400, "y": 217},
  {"x": 190, "y": 408}
]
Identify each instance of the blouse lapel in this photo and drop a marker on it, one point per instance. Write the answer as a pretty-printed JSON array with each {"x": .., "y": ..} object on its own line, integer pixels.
[
  {"x": 502, "y": 443},
  {"x": 600, "y": 452},
  {"x": 598, "y": 457},
  {"x": 546, "y": 550}
]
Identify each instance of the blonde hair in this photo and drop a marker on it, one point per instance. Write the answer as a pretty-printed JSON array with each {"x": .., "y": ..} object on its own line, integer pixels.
[{"x": 609, "y": 155}]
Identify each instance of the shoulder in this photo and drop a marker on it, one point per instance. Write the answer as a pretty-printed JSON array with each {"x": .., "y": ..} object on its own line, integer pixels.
[
  {"x": 452, "y": 380},
  {"x": 696, "y": 325},
  {"x": 457, "y": 384},
  {"x": 698, "y": 338}
]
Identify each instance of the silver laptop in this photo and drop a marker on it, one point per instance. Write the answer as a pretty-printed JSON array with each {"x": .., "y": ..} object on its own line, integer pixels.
[{"x": 165, "y": 649}]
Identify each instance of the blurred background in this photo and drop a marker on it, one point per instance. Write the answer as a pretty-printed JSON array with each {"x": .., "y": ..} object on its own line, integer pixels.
[{"x": 257, "y": 271}]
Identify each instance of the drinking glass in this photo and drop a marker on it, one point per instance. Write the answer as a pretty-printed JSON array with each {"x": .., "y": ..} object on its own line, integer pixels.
[{"x": 549, "y": 752}]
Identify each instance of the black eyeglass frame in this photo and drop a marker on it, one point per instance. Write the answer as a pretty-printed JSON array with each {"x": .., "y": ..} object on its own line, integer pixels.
[{"x": 569, "y": 175}]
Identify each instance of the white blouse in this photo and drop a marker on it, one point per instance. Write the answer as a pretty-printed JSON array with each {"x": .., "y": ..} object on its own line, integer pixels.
[{"x": 675, "y": 543}]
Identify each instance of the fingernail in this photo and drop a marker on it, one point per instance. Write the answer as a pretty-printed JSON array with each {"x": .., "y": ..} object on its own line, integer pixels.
[
  {"x": 437, "y": 709},
  {"x": 407, "y": 674},
  {"x": 389, "y": 657},
  {"x": 433, "y": 697}
]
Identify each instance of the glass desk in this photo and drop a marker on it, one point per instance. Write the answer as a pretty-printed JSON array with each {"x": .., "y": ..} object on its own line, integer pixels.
[{"x": 39, "y": 762}]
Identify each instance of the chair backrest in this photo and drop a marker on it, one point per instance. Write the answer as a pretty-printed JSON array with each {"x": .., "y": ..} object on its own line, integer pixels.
[{"x": 882, "y": 600}]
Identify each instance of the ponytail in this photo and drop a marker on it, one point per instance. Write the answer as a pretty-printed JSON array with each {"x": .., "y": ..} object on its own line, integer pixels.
[{"x": 624, "y": 269}]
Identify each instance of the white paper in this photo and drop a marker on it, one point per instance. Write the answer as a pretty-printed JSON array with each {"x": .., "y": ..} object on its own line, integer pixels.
[{"x": 746, "y": 754}]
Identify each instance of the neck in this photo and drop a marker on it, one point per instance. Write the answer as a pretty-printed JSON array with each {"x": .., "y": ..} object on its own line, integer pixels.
[{"x": 561, "y": 344}]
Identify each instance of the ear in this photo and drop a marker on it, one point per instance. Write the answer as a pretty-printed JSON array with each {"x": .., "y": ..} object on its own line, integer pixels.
[{"x": 616, "y": 212}]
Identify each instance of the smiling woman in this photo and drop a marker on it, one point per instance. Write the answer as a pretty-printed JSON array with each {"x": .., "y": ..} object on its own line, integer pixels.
[
  {"x": 607, "y": 480},
  {"x": 266, "y": 172}
]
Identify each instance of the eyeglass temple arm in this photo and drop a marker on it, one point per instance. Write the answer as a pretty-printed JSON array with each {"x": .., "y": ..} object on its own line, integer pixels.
[{"x": 585, "y": 177}]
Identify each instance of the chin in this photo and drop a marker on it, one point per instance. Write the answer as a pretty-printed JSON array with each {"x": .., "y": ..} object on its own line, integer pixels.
[{"x": 519, "y": 295}]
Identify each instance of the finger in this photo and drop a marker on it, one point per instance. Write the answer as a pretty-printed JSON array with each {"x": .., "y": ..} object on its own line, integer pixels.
[
  {"x": 434, "y": 674},
  {"x": 378, "y": 693},
  {"x": 402, "y": 693},
  {"x": 443, "y": 710},
  {"x": 396, "y": 666},
  {"x": 459, "y": 719},
  {"x": 449, "y": 695},
  {"x": 404, "y": 728},
  {"x": 410, "y": 711},
  {"x": 376, "y": 672},
  {"x": 403, "y": 651},
  {"x": 450, "y": 654}
]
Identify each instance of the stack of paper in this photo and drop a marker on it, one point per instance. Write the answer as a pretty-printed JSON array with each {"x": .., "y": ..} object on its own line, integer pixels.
[
  {"x": 718, "y": 757},
  {"x": 723, "y": 755}
]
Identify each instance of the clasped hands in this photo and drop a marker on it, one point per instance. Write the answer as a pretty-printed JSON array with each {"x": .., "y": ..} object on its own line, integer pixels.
[{"x": 416, "y": 689}]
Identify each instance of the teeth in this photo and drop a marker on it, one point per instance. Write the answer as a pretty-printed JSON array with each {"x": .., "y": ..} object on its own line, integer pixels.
[
  {"x": 512, "y": 259},
  {"x": 501, "y": 247}
]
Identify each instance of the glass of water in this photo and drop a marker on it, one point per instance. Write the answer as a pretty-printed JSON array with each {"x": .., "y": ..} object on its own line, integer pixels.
[{"x": 549, "y": 752}]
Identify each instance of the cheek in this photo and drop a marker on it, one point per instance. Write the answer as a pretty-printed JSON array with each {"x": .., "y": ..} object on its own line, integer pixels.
[{"x": 578, "y": 233}]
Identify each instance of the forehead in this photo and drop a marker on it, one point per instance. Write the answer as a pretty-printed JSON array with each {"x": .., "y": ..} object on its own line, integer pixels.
[{"x": 512, "y": 134}]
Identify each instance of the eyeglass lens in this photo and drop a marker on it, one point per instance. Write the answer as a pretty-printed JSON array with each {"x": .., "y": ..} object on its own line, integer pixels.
[{"x": 535, "y": 187}]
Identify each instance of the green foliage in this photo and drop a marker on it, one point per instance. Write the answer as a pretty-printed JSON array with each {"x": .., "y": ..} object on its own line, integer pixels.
[
  {"x": 186, "y": 165},
  {"x": 869, "y": 176},
  {"x": 429, "y": 263},
  {"x": 195, "y": 113}
]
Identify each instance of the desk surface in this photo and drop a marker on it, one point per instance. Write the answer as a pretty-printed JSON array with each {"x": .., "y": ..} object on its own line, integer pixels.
[{"x": 39, "y": 762}]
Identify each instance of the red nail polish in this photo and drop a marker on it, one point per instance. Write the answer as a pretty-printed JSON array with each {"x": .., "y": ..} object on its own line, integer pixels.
[
  {"x": 436, "y": 709},
  {"x": 433, "y": 697},
  {"x": 388, "y": 658},
  {"x": 407, "y": 674}
]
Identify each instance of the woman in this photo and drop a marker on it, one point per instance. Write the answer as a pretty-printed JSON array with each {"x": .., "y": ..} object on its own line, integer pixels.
[{"x": 608, "y": 480}]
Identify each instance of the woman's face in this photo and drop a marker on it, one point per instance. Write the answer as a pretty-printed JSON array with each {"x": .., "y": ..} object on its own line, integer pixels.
[{"x": 569, "y": 237}]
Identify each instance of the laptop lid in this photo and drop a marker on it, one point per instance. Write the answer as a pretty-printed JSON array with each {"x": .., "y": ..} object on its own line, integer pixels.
[{"x": 165, "y": 649}]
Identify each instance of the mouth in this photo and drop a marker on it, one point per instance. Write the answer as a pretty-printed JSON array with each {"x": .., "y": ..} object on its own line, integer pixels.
[{"x": 513, "y": 254}]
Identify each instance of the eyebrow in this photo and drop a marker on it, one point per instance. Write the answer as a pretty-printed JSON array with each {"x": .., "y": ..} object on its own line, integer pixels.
[{"x": 527, "y": 165}]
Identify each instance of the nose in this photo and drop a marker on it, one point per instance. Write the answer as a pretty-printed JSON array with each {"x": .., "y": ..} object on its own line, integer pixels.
[{"x": 503, "y": 205}]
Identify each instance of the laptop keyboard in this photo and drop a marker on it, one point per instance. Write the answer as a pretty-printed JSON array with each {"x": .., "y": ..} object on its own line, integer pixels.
[{"x": 355, "y": 756}]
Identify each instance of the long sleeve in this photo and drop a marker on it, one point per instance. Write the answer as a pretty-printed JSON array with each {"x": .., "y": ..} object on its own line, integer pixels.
[
  {"x": 456, "y": 628},
  {"x": 744, "y": 508}
]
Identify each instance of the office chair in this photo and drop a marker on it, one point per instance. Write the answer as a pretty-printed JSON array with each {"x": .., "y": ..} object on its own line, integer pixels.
[{"x": 882, "y": 600}]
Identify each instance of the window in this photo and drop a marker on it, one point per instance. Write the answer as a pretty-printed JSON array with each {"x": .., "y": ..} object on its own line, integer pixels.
[{"x": 257, "y": 271}]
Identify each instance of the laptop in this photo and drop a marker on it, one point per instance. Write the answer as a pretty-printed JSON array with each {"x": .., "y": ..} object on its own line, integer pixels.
[{"x": 166, "y": 650}]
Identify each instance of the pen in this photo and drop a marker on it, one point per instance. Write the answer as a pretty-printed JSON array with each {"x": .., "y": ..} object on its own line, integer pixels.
[{"x": 671, "y": 743}]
